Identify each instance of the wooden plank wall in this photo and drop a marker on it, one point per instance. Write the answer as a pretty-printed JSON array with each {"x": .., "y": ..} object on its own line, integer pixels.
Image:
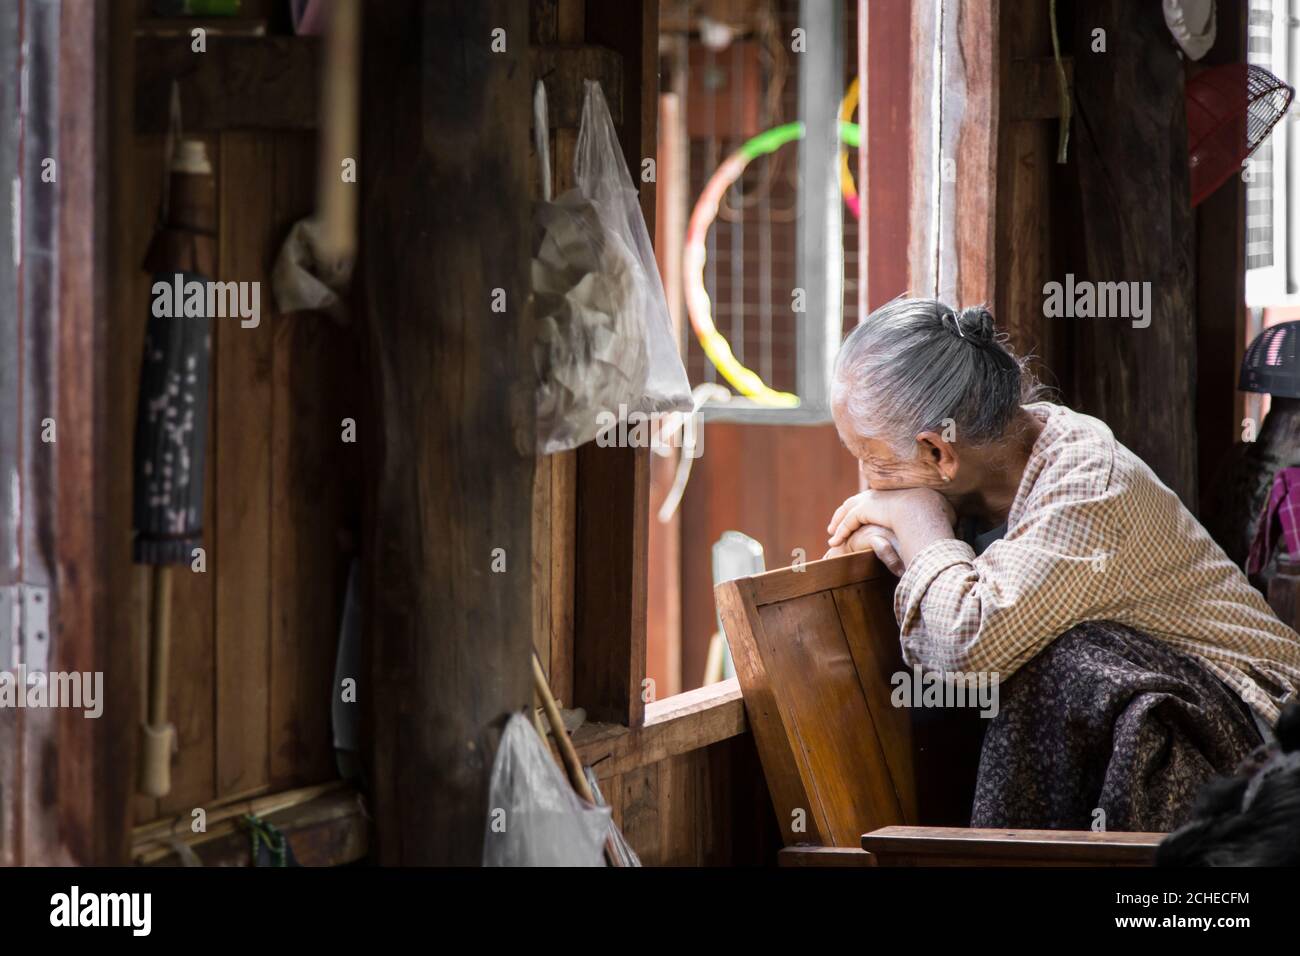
[
  {"x": 687, "y": 788},
  {"x": 255, "y": 636},
  {"x": 704, "y": 807}
]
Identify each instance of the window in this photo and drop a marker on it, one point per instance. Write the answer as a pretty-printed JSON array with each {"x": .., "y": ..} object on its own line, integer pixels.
[{"x": 1272, "y": 247}]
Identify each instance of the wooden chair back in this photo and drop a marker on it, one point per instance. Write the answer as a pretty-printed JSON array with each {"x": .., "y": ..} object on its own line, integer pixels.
[{"x": 815, "y": 652}]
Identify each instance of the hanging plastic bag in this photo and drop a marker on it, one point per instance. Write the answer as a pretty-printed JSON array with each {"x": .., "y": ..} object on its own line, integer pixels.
[
  {"x": 534, "y": 817},
  {"x": 605, "y": 342}
]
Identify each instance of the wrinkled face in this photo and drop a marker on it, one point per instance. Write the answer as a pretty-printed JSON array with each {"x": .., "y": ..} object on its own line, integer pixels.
[{"x": 878, "y": 464}]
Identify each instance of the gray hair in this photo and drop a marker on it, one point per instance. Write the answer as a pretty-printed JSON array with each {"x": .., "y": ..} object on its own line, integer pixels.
[{"x": 917, "y": 365}]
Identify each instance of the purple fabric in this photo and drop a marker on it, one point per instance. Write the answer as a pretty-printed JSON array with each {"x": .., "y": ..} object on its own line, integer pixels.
[{"x": 1283, "y": 512}]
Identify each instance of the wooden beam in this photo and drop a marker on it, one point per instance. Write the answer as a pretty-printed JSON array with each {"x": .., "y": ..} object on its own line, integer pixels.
[
  {"x": 273, "y": 82},
  {"x": 676, "y": 725},
  {"x": 446, "y": 228},
  {"x": 239, "y": 83}
]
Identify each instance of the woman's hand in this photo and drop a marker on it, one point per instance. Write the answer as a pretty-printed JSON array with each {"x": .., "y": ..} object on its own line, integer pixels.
[
  {"x": 916, "y": 517},
  {"x": 872, "y": 537}
]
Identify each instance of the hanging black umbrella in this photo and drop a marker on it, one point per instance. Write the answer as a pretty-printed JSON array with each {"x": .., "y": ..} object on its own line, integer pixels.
[{"x": 171, "y": 422}]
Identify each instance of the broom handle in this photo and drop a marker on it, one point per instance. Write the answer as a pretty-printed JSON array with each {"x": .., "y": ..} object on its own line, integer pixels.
[
  {"x": 156, "y": 735},
  {"x": 572, "y": 765},
  {"x": 159, "y": 645}
]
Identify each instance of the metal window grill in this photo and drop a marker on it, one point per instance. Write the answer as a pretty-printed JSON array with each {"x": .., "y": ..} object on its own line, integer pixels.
[
  {"x": 752, "y": 260},
  {"x": 1262, "y": 113}
]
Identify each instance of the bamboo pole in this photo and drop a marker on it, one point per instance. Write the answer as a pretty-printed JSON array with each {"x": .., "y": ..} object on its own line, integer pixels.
[
  {"x": 572, "y": 765},
  {"x": 157, "y": 736}
]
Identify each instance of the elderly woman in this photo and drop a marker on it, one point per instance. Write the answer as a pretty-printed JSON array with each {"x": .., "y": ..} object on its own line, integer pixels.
[{"x": 1135, "y": 660}]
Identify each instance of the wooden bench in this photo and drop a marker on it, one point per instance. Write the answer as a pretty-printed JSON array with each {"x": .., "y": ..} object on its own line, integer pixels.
[
  {"x": 816, "y": 650},
  {"x": 949, "y": 846}
]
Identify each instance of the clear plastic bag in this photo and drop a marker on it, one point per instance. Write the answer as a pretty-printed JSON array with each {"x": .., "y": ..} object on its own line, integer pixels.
[
  {"x": 605, "y": 341},
  {"x": 534, "y": 817}
]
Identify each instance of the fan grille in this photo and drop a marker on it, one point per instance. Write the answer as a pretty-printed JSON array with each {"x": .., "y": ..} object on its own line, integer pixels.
[
  {"x": 1271, "y": 363},
  {"x": 1230, "y": 110}
]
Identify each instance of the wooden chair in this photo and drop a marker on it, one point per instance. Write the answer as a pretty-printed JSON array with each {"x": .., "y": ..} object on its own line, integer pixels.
[{"x": 815, "y": 652}]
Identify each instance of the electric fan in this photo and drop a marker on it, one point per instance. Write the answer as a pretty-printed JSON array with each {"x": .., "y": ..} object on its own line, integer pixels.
[
  {"x": 1230, "y": 110},
  {"x": 1272, "y": 362}
]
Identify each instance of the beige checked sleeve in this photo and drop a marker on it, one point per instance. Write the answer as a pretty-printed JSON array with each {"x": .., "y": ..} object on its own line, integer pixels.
[{"x": 994, "y": 612}]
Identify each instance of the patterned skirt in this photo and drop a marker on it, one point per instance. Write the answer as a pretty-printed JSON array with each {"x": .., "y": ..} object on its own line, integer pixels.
[{"x": 1107, "y": 728}]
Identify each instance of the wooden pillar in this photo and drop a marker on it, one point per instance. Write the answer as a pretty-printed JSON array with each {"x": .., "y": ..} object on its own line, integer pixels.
[
  {"x": 954, "y": 137},
  {"x": 613, "y": 484},
  {"x": 1220, "y": 295},
  {"x": 1129, "y": 141},
  {"x": 444, "y": 237},
  {"x": 64, "y": 776},
  {"x": 889, "y": 157},
  {"x": 1026, "y": 163}
]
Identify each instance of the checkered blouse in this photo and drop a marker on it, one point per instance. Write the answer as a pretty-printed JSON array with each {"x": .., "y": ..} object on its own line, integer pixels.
[{"x": 1093, "y": 535}]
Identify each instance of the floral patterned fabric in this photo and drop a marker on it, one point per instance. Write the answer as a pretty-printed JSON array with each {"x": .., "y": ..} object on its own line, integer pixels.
[{"x": 1107, "y": 725}]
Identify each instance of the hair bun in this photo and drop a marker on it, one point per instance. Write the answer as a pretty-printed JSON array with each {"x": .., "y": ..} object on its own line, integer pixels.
[{"x": 976, "y": 324}]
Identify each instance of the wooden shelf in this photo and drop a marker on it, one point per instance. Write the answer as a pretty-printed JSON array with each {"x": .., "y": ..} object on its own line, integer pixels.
[
  {"x": 239, "y": 83},
  {"x": 271, "y": 82}
]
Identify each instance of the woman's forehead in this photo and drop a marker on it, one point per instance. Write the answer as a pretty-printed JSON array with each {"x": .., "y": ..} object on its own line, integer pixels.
[{"x": 864, "y": 448}]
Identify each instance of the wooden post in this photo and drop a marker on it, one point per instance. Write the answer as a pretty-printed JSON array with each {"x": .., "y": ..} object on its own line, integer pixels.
[
  {"x": 613, "y": 484},
  {"x": 1220, "y": 298},
  {"x": 1129, "y": 141},
  {"x": 1025, "y": 167},
  {"x": 64, "y": 776},
  {"x": 954, "y": 136},
  {"x": 444, "y": 233}
]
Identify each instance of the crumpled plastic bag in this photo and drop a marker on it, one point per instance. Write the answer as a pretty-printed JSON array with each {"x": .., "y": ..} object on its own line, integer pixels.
[
  {"x": 534, "y": 817},
  {"x": 303, "y": 278},
  {"x": 1192, "y": 23},
  {"x": 605, "y": 340}
]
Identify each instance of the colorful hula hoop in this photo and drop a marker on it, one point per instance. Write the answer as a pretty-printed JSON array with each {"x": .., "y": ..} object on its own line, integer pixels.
[
  {"x": 698, "y": 306},
  {"x": 847, "y": 186}
]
